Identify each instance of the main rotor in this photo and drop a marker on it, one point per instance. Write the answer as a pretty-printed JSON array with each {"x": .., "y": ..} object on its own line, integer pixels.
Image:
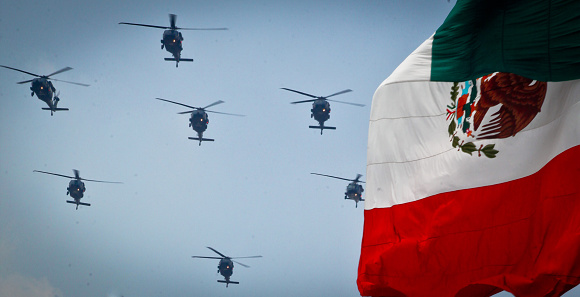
[
  {"x": 204, "y": 109},
  {"x": 172, "y": 26},
  {"x": 77, "y": 177},
  {"x": 222, "y": 256},
  {"x": 46, "y": 76},
  {"x": 322, "y": 97},
  {"x": 356, "y": 180}
]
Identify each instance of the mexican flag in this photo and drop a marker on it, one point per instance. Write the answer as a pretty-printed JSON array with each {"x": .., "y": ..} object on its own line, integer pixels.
[{"x": 473, "y": 162}]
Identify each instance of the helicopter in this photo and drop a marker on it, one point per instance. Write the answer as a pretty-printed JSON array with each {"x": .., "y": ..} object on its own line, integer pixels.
[
  {"x": 199, "y": 119},
  {"x": 172, "y": 38},
  {"x": 353, "y": 190},
  {"x": 321, "y": 108},
  {"x": 76, "y": 188},
  {"x": 43, "y": 88},
  {"x": 226, "y": 265}
]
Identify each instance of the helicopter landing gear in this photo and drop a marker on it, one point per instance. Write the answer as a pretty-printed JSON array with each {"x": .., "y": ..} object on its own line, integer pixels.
[{"x": 32, "y": 93}]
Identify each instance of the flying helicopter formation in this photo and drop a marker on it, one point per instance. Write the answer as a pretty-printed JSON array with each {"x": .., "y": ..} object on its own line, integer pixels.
[
  {"x": 171, "y": 41},
  {"x": 76, "y": 187},
  {"x": 172, "y": 38},
  {"x": 42, "y": 86},
  {"x": 226, "y": 265}
]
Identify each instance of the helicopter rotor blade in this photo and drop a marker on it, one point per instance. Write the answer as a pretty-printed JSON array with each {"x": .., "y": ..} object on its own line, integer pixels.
[
  {"x": 202, "y": 257},
  {"x": 61, "y": 175},
  {"x": 338, "y": 93},
  {"x": 216, "y": 252},
  {"x": 100, "y": 181},
  {"x": 241, "y": 264},
  {"x": 77, "y": 176},
  {"x": 232, "y": 114},
  {"x": 342, "y": 178},
  {"x": 172, "y": 19},
  {"x": 59, "y": 71},
  {"x": 213, "y": 104},
  {"x": 203, "y": 29},
  {"x": 303, "y": 101},
  {"x": 29, "y": 73},
  {"x": 143, "y": 25},
  {"x": 302, "y": 93},
  {"x": 70, "y": 82},
  {"x": 357, "y": 178},
  {"x": 178, "y": 103},
  {"x": 350, "y": 103},
  {"x": 186, "y": 112},
  {"x": 248, "y": 257},
  {"x": 26, "y": 81}
]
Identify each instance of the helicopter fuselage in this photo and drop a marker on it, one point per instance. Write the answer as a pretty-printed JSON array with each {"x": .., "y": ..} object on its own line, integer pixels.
[
  {"x": 354, "y": 192},
  {"x": 226, "y": 268},
  {"x": 198, "y": 121},
  {"x": 43, "y": 89},
  {"x": 320, "y": 111},
  {"x": 172, "y": 43},
  {"x": 76, "y": 189}
]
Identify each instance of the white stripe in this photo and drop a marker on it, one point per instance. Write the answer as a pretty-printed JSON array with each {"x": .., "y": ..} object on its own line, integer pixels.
[{"x": 410, "y": 155}]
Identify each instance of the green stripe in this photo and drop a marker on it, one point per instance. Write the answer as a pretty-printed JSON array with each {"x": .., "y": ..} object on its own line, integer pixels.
[{"x": 538, "y": 39}]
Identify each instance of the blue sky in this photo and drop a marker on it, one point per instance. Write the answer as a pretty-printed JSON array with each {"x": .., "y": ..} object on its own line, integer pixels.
[{"x": 247, "y": 193}]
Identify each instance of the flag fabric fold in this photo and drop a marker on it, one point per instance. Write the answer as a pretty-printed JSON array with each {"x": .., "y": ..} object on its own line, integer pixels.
[{"x": 473, "y": 162}]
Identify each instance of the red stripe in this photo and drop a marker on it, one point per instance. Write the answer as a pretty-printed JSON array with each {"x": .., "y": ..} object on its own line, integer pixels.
[{"x": 521, "y": 236}]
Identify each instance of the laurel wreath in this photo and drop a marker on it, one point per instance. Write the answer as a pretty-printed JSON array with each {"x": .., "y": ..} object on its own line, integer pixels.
[{"x": 456, "y": 142}]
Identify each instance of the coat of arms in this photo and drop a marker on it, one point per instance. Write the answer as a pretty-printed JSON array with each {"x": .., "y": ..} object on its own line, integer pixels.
[{"x": 498, "y": 105}]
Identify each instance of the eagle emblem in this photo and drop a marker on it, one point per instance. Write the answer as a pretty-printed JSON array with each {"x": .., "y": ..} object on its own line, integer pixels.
[{"x": 498, "y": 105}]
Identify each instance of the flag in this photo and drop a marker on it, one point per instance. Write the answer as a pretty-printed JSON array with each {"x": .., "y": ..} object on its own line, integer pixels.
[{"x": 473, "y": 161}]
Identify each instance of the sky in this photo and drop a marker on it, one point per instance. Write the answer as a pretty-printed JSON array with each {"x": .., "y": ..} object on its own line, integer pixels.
[{"x": 248, "y": 193}]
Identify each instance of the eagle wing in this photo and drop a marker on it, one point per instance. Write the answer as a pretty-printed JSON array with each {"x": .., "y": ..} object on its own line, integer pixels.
[{"x": 521, "y": 99}]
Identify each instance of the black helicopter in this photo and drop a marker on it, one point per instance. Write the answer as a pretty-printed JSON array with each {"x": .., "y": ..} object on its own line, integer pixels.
[
  {"x": 76, "y": 188},
  {"x": 353, "y": 190},
  {"x": 43, "y": 88},
  {"x": 172, "y": 38},
  {"x": 226, "y": 265},
  {"x": 321, "y": 108},
  {"x": 199, "y": 119}
]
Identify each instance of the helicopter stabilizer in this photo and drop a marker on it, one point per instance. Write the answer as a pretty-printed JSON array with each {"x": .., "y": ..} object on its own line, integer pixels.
[
  {"x": 180, "y": 60},
  {"x": 54, "y": 109},
  {"x": 227, "y": 282},
  {"x": 200, "y": 139},
  {"x": 322, "y": 128},
  {"x": 80, "y": 203}
]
